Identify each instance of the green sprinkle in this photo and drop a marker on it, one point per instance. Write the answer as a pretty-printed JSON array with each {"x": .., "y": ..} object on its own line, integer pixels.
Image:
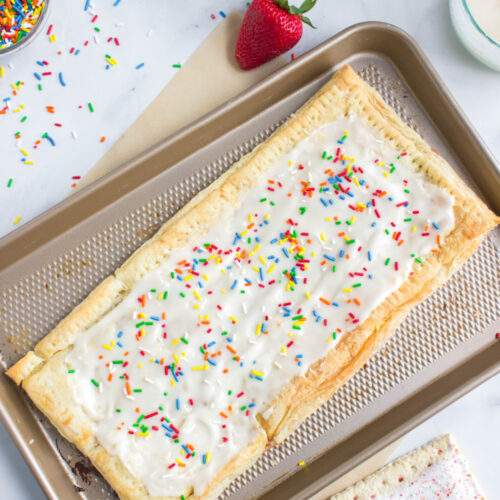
[
  {"x": 165, "y": 295},
  {"x": 10, "y": 182},
  {"x": 118, "y": 362},
  {"x": 137, "y": 390},
  {"x": 408, "y": 219},
  {"x": 177, "y": 65},
  {"x": 338, "y": 222},
  {"x": 39, "y": 87},
  {"x": 296, "y": 327},
  {"x": 224, "y": 332},
  {"x": 182, "y": 294},
  {"x": 243, "y": 408},
  {"x": 387, "y": 261},
  {"x": 71, "y": 371},
  {"x": 95, "y": 382},
  {"x": 262, "y": 200},
  {"x": 387, "y": 231},
  {"x": 97, "y": 30},
  {"x": 23, "y": 119},
  {"x": 418, "y": 260},
  {"x": 118, "y": 410},
  {"x": 356, "y": 285},
  {"x": 350, "y": 242},
  {"x": 138, "y": 325},
  {"x": 184, "y": 340},
  {"x": 406, "y": 190},
  {"x": 91, "y": 107},
  {"x": 302, "y": 210},
  {"x": 334, "y": 268},
  {"x": 334, "y": 335}
]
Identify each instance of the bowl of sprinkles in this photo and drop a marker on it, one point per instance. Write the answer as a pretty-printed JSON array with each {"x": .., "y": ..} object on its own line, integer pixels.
[{"x": 20, "y": 21}]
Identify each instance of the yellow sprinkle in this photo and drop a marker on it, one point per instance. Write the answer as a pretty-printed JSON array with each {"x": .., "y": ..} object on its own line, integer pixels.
[
  {"x": 255, "y": 268},
  {"x": 143, "y": 434},
  {"x": 2, "y": 71},
  {"x": 353, "y": 219},
  {"x": 328, "y": 219},
  {"x": 197, "y": 295},
  {"x": 180, "y": 462},
  {"x": 413, "y": 229},
  {"x": 283, "y": 349},
  {"x": 250, "y": 217},
  {"x": 17, "y": 219},
  {"x": 272, "y": 267},
  {"x": 141, "y": 315},
  {"x": 308, "y": 295},
  {"x": 24, "y": 152},
  {"x": 204, "y": 277},
  {"x": 28, "y": 163},
  {"x": 313, "y": 254},
  {"x": 262, "y": 259},
  {"x": 107, "y": 347},
  {"x": 196, "y": 306},
  {"x": 386, "y": 174},
  {"x": 258, "y": 329},
  {"x": 188, "y": 277},
  {"x": 208, "y": 456},
  {"x": 347, "y": 290},
  {"x": 244, "y": 232},
  {"x": 322, "y": 236},
  {"x": 256, "y": 373},
  {"x": 267, "y": 216},
  {"x": 301, "y": 463},
  {"x": 199, "y": 368},
  {"x": 172, "y": 382},
  {"x": 356, "y": 181},
  {"x": 139, "y": 365},
  {"x": 175, "y": 341},
  {"x": 360, "y": 204},
  {"x": 176, "y": 358},
  {"x": 52, "y": 38}
]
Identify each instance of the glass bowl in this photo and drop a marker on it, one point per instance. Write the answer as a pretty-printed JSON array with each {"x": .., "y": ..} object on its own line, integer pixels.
[
  {"x": 479, "y": 43},
  {"x": 31, "y": 35}
]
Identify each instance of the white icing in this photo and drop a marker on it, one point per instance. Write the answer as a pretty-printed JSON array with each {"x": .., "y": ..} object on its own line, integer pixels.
[{"x": 239, "y": 314}]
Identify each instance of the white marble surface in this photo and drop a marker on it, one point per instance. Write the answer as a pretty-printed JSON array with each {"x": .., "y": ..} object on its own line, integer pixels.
[{"x": 474, "y": 419}]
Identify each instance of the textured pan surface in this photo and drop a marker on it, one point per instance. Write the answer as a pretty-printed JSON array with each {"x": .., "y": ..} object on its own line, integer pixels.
[{"x": 458, "y": 312}]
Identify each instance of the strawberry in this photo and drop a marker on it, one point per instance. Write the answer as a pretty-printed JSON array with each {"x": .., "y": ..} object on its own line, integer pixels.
[{"x": 269, "y": 28}]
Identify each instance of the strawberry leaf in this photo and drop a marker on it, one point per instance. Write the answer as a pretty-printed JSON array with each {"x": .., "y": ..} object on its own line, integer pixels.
[
  {"x": 306, "y": 6},
  {"x": 307, "y": 21}
]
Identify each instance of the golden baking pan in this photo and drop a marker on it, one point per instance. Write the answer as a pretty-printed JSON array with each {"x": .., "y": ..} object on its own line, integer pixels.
[{"x": 444, "y": 348}]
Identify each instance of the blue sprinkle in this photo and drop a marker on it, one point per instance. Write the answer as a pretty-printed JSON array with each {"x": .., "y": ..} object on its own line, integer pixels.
[
  {"x": 155, "y": 318},
  {"x": 222, "y": 13},
  {"x": 341, "y": 253},
  {"x": 139, "y": 66},
  {"x": 177, "y": 404},
  {"x": 335, "y": 304},
  {"x": 233, "y": 286},
  {"x": 329, "y": 257},
  {"x": 369, "y": 255},
  {"x": 261, "y": 274},
  {"x": 115, "y": 3},
  {"x": 37, "y": 76},
  {"x": 435, "y": 226},
  {"x": 61, "y": 79},
  {"x": 40, "y": 63},
  {"x": 87, "y": 5},
  {"x": 285, "y": 252}
]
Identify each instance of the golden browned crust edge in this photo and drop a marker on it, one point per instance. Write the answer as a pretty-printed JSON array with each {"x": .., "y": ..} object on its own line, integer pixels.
[{"x": 345, "y": 93}]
